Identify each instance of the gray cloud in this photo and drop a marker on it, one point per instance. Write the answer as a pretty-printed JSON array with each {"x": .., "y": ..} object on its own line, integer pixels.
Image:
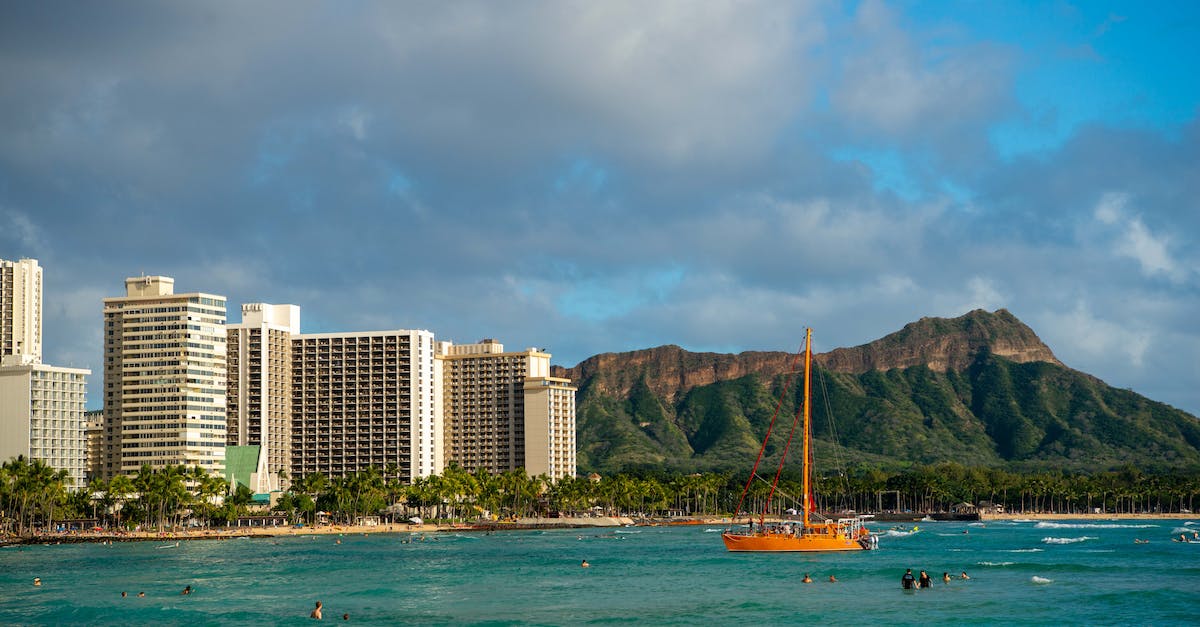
[{"x": 583, "y": 177}]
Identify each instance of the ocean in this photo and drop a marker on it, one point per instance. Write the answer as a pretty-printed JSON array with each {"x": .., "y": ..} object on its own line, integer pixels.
[{"x": 1052, "y": 572}]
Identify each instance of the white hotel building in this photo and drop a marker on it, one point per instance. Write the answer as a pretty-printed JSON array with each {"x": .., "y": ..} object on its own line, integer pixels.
[{"x": 164, "y": 379}]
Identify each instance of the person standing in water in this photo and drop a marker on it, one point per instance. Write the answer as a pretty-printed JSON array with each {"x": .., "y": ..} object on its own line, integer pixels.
[
  {"x": 924, "y": 581},
  {"x": 316, "y": 613},
  {"x": 908, "y": 582}
]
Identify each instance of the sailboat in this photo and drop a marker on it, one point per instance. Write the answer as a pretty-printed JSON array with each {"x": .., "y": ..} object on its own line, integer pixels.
[{"x": 843, "y": 534}]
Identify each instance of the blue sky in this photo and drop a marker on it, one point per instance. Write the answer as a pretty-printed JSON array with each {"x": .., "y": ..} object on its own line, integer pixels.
[{"x": 594, "y": 177}]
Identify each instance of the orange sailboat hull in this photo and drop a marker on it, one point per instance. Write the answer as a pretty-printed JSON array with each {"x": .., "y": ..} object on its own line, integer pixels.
[{"x": 790, "y": 542}]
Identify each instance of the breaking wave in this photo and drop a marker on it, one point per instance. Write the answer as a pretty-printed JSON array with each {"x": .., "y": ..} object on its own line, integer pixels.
[
  {"x": 1036, "y": 579},
  {"x": 1054, "y": 525},
  {"x": 1067, "y": 540},
  {"x": 994, "y": 563}
]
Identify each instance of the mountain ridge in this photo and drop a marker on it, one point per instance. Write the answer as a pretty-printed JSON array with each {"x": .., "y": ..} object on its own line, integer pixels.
[{"x": 981, "y": 387}]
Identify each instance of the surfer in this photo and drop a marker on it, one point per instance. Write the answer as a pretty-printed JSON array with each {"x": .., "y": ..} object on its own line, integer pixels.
[{"x": 908, "y": 582}]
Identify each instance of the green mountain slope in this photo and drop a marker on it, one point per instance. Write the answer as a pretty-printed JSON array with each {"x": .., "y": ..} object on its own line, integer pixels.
[{"x": 980, "y": 389}]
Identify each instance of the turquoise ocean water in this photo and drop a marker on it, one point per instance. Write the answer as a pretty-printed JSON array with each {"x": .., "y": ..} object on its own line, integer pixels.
[{"x": 1063, "y": 572}]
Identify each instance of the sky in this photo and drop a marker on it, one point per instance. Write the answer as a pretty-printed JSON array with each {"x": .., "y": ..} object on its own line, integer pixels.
[{"x": 592, "y": 177}]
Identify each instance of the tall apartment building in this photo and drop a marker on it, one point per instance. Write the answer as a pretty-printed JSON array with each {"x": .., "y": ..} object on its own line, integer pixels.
[
  {"x": 365, "y": 399},
  {"x": 259, "y": 407},
  {"x": 503, "y": 411},
  {"x": 93, "y": 428},
  {"x": 41, "y": 406},
  {"x": 21, "y": 309},
  {"x": 41, "y": 416},
  {"x": 164, "y": 378}
]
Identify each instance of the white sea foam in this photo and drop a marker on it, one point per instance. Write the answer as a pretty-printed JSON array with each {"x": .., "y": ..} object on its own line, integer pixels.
[
  {"x": 1182, "y": 530},
  {"x": 995, "y": 563},
  {"x": 1023, "y": 520},
  {"x": 713, "y": 530},
  {"x": 1054, "y": 525},
  {"x": 976, "y": 524},
  {"x": 1040, "y": 580},
  {"x": 1025, "y": 550},
  {"x": 1067, "y": 540},
  {"x": 892, "y": 533}
]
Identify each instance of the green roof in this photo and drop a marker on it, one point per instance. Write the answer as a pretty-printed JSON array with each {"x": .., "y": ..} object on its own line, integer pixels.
[{"x": 240, "y": 463}]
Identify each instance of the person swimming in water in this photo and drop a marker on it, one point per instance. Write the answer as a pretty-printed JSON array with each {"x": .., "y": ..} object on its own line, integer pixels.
[
  {"x": 806, "y": 579},
  {"x": 945, "y": 577},
  {"x": 316, "y": 613},
  {"x": 585, "y": 564},
  {"x": 964, "y": 575},
  {"x": 832, "y": 579},
  {"x": 908, "y": 582},
  {"x": 187, "y": 590},
  {"x": 37, "y": 581}
]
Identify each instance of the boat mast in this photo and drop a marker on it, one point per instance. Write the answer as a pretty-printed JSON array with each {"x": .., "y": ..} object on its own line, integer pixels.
[{"x": 807, "y": 422}]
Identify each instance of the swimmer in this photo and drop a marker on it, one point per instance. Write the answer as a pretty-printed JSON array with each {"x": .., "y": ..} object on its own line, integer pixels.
[
  {"x": 832, "y": 579},
  {"x": 37, "y": 581},
  {"x": 964, "y": 575},
  {"x": 141, "y": 594},
  {"x": 945, "y": 577},
  {"x": 186, "y": 590},
  {"x": 316, "y": 613},
  {"x": 806, "y": 579},
  {"x": 124, "y": 594},
  {"x": 346, "y": 616},
  {"x": 584, "y": 564}
]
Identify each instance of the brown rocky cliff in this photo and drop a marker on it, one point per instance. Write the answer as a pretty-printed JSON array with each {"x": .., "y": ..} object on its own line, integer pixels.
[
  {"x": 944, "y": 344},
  {"x": 939, "y": 343}
]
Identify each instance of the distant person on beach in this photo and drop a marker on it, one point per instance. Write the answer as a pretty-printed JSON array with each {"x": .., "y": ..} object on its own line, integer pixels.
[
  {"x": 316, "y": 613},
  {"x": 806, "y": 579},
  {"x": 908, "y": 582},
  {"x": 925, "y": 581}
]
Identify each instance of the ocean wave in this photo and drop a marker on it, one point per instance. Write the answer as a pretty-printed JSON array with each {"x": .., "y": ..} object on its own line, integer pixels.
[
  {"x": 1054, "y": 525},
  {"x": 994, "y": 563},
  {"x": 1025, "y": 550},
  {"x": 1023, "y": 520},
  {"x": 713, "y": 530},
  {"x": 976, "y": 524},
  {"x": 1040, "y": 580},
  {"x": 892, "y": 533},
  {"x": 1182, "y": 530},
  {"x": 1068, "y": 540}
]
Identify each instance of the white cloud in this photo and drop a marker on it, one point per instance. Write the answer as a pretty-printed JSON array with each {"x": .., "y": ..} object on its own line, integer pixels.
[
  {"x": 1085, "y": 335},
  {"x": 1135, "y": 240}
]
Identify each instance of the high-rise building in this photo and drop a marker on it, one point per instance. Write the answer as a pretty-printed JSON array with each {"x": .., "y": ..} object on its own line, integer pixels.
[
  {"x": 21, "y": 309},
  {"x": 164, "y": 378},
  {"x": 365, "y": 399},
  {"x": 503, "y": 411},
  {"x": 41, "y": 416},
  {"x": 93, "y": 427},
  {"x": 259, "y": 405}
]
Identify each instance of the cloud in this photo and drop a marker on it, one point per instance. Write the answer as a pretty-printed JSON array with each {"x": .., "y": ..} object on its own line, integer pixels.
[{"x": 1135, "y": 241}]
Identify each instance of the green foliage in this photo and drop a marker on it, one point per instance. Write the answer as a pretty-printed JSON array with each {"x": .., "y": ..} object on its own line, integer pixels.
[{"x": 1033, "y": 415}]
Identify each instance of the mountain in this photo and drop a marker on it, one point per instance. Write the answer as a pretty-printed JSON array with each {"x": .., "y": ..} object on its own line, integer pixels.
[{"x": 978, "y": 389}]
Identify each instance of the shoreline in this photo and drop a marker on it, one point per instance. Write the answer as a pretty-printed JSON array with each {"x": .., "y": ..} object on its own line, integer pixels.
[{"x": 92, "y": 537}]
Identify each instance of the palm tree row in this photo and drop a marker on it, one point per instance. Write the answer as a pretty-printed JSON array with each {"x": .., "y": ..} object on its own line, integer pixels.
[{"x": 34, "y": 495}]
